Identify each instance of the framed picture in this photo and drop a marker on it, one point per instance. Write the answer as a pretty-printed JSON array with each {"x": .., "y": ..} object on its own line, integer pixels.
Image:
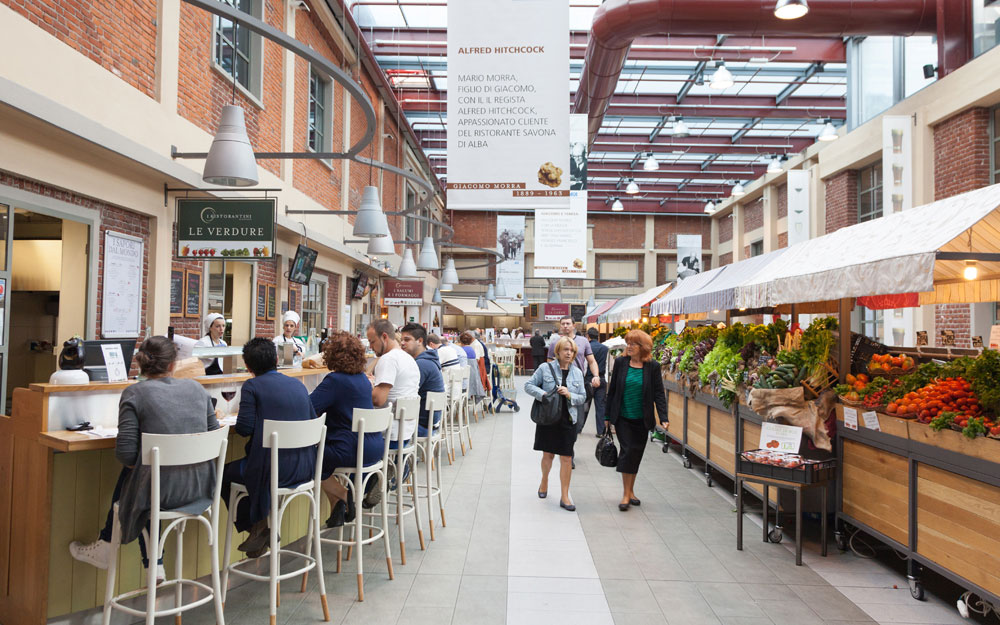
[
  {"x": 261, "y": 301},
  {"x": 177, "y": 293},
  {"x": 272, "y": 302},
  {"x": 192, "y": 293}
]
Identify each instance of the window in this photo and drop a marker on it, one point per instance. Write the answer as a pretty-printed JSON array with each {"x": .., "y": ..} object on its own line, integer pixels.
[
  {"x": 875, "y": 59},
  {"x": 883, "y": 70},
  {"x": 319, "y": 112},
  {"x": 756, "y": 248},
  {"x": 995, "y": 144},
  {"x": 410, "y": 224},
  {"x": 871, "y": 323},
  {"x": 245, "y": 61},
  {"x": 870, "y": 192},
  {"x": 985, "y": 25},
  {"x": 314, "y": 305},
  {"x": 619, "y": 270}
]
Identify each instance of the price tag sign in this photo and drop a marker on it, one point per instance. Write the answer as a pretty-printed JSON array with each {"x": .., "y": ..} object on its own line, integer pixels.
[
  {"x": 922, "y": 337},
  {"x": 850, "y": 418},
  {"x": 115, "y": 362},
  {"x": 871, "y": 420},
  {"x": 947, "y": 338},
  {"x": 995, "y": 337},
  {"x": 977, "y": 342},
  {"x": 778, "y": 437}
]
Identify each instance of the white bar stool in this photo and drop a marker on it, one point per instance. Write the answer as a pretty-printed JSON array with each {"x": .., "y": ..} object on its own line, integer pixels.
[
  {"x": 407, "y": 411},
  {"x": 172, "y": 450},
  {"x": 459, "y": 414},
  {"x": 280, "y": 435},
  {"x": 430, "y": 449},
  {"x": 355, "y": 479}
]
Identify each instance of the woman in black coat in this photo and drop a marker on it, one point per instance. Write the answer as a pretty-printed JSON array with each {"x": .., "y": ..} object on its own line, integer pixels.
[{"x": 635, "y": 390}]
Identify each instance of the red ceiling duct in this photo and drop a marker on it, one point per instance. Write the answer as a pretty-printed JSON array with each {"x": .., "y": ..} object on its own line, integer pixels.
[{"x": 618, "y": 22}]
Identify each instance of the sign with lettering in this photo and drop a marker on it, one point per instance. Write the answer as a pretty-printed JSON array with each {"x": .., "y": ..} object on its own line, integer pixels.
[
  {"x": 225, "y": 229},
  {"x": 121, "y": 316},
  {"x": 176, "y": 292},
  {"x": 403, "y": 293},
  {"x": 114, "y": 360},
  {"x": 508, "y": 128},
  {"x": 850, "y": 418},
  {"x": 555, "y": 312},
  {"x": 977, "y": 342},
  {"x": 577, "y": 311},
  {"x": 995, "y": 337},
  {"x": 780, "y": 437},
  {"x": 192, "y": 293},
  {"x": 922, "y": 338},
  {"x": 870, "y": 418},
  {"x": 561, "y": 231},
  {"x": 947, "y": 338}
]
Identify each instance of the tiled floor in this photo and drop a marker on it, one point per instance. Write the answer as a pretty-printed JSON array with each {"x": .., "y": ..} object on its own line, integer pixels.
[{"x": 507, "y": 557}]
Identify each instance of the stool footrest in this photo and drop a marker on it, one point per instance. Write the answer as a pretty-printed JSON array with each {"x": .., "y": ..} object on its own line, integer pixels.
[{"x": 116, "y": 601}]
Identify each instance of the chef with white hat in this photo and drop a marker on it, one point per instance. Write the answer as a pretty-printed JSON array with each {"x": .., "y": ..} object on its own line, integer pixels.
[
  {"x": 214, "y": 326},
  {"x": 290, "y": 325}
]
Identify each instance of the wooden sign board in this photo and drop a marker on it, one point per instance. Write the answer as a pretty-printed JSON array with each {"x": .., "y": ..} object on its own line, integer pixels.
[
  {"x": 921, "y": 338},
  {"x": 261, "y": 306},
  {"x": 192, "y": 293},
  {"x": 177, "y": 293}
]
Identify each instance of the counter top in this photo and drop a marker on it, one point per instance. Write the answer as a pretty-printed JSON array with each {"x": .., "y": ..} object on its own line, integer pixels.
[
  {"x": 206, "y": 380},
  {"x": 64, "y": 440}
]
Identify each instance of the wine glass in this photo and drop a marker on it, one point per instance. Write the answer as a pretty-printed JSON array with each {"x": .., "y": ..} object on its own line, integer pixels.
[{"x": 228, "y": 394}]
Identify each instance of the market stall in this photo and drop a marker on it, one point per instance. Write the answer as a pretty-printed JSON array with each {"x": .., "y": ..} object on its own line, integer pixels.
[{"x": 632, "y": 309}]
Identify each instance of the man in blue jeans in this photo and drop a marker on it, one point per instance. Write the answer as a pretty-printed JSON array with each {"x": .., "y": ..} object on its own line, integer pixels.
[{"x": 600, "y": 392}]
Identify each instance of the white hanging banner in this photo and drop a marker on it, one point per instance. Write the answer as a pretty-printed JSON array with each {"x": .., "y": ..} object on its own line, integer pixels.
[
  {"x": 510, "y": 243},
  {"x": 508, "y": 76},
  {"x": 798, "y": 206},
  {"x": 897, "y": 164},
  {"x": 561, "y": 233},
  {"x": 688, "y": 255}
]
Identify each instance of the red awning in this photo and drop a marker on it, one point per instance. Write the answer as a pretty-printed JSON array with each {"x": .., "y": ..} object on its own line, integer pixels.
[{"x": 603, "y": 308}]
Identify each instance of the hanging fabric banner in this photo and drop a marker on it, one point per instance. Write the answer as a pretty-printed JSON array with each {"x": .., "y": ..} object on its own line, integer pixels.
[
  {"x": 798, "y": 206},
  {"x": 510, "y": 243},
  {"x": 561, "y": 233},
  {"x": 508, "y": 76},
  {"x": 688, "y": 255}
]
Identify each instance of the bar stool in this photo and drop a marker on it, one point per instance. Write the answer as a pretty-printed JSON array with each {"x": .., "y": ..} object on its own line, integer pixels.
[
  {"x": 355, "y": 478},
  {"x": 403, "y": 457},
  {"x": 430, "y": 448},
  {"x": 173, "y": 450},
  {"x": 460, "y": 417},
  {"x": 280, "y": 435}
]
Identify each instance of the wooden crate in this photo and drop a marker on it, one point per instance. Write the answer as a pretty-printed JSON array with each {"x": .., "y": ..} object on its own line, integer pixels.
[
  {"x": 697, "y": 426},
  {"x": 958, "y": 525},
  {"x": 888, "y": 423},
  {"x": 722, "y": 440},
  {"x": 876, "y": 489}
]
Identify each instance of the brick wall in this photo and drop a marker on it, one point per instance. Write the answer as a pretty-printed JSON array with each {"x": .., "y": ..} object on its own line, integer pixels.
[
  {"x": 725, "y": 259},
  {"x": 666, "y": 229},
  {"x": 118, "y": 35},
  {"x": 841, "y": 200},
  {"x": 955, "y": 317},
  {"x": 618, "y": 231},
  {"x": 474, "y": 228},
  {"x": 753, "y": 216},
  {"x": 782, "y": 201},
  {"x": 782, "y": 239},
  {"x": 187, "y": 326},
  {"x": 962, "y": 153},
  {"x": 266, "y": 274},
  {"x": 725, "y": 229}
]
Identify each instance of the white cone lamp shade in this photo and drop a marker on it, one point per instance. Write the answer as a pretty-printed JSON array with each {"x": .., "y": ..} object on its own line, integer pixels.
[
  {"x": 428, "y": 261},
  {"x": 632, "y": 188},
  {"x": 651, "y": 164},
  {"x": 491, "y": 293},
  {"x": 829, "y": 133},
  {"x": 481, "y": 303},
  {"x": 381, "y": 246},
  {"x": 722, "y": 79},
  {"x": 617, "y": 205},
  {"x": 681, "y": 129},
  {"x": 230, "y": 161},
  {"x": 370, "y": 220},
  {"x": 407, "y": 268},
  {"x": 591, "y": 303},
  {"x": 774, "y": 167},
  {"x": 791, "y": 9},
  {"x": 445, "y": 287},
  {"x": 437, "y": 297},
  {"x": 710, "y": 207},
  {"x": 450, "y": 276},
  {"x": 738, "y": 190},
  {"x": 501, "y": 290}
]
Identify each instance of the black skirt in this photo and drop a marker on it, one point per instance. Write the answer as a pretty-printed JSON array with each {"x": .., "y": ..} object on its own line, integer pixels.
[
  {"x": 632, "y": 440},
  {"x": 556, "y": 439}
]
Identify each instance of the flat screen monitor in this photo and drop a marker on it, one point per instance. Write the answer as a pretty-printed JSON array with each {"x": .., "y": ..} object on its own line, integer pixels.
[
  {"x": 93, "y": 362},
  {"x": 360, "y": 284},
  {"x": 302, "y": 265}
]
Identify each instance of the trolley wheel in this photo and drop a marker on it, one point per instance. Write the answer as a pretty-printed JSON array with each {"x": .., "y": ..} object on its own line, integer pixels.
[
  {"x": 666, "y": 447},
  {"x": 517, "y": 408},
  {"x": 775, "y": 536},
  {"x": 840, "y": 540},
  {"x": 687, "y": 463},
  {"x": 916, "y": 589},
  {"x": 708, "y": 481}
]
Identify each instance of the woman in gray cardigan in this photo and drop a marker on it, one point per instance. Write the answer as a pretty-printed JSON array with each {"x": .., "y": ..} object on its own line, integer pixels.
[{"x": 161, "y": 404}]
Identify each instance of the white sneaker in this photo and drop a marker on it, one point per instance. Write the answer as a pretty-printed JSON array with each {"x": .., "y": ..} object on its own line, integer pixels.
[
  {"x": 97, "y": 553},
  {"x": 161, "y": 574}
]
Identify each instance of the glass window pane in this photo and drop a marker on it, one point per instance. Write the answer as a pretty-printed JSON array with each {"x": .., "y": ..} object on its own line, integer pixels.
[
  {"x": 917, "y": 52},
  {"x": 876, "y": 72},
  {"x": 985, "y": 25}
]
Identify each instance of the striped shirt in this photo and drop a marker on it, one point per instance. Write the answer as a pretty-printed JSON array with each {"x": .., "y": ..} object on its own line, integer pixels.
[{"x": 632, "y": 397}]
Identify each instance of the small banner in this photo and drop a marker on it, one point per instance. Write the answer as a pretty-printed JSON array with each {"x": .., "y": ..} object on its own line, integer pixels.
[
  {"x": 403, "y": 293},
  {"x": 225, "y": 229}
]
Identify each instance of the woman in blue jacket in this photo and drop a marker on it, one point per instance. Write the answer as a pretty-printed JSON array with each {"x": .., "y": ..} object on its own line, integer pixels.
[{"x": 558, "y": 439}]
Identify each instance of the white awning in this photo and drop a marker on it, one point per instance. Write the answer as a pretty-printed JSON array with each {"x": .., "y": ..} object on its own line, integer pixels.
[
  {"x": 467, "y": 306},
  {"x": 511, "y": 309},
  {"x": 720, "y": 294},
  {"x": 673, "y": 302},
  {"x": 922, "y": 250},
  {"x": 631, "y": 307}
]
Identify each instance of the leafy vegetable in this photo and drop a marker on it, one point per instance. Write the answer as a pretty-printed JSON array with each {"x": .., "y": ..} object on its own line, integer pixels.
[
  {"x": 984, "y": 373},
  {"x": 975, "y": 427}
]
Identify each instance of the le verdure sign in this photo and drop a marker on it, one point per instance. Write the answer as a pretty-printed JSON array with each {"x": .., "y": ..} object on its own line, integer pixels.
[
  {"x": 403, "y": 293},
  {"x": 226, "y": 229}
]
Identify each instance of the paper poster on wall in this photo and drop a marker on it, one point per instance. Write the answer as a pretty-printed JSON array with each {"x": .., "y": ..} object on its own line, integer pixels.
[
  {"x": 508, "y": 130},
  {"x": 121, "y": 315},
  {"x": 688, "y": 255},
  {"x": 798, "y": 206},
  {"x": 897, "y": 164},
  {"x": 561, "y": 233},
  {"x": 510, "y": 243}
]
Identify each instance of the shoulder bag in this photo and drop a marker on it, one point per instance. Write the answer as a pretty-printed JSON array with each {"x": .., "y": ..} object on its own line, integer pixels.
[
  {"x": 545, "y": 411},
  {"x": 606, "y": 452}
]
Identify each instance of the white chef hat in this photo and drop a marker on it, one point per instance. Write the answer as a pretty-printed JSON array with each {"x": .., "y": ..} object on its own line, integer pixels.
[
  {"x": 209, "y": 319},
  {"x": 290, "y": 315}
]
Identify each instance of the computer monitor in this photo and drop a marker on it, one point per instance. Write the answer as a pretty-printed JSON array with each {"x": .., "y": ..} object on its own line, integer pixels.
[
  {"x": 93, "y": 362},
  {"x": 302, "y": 265}
]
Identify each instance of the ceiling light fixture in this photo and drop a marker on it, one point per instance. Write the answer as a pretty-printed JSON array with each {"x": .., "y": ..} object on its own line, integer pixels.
[
  {"x": 709, "y": 207},
  {"x": 370, "y": 220},
  {"x": 651, "y": 164},
  {"x": 791, "y": 9},
  {"x": 829, "y": 133},
  {"x": 722, "y": 78},
  {"x": 738, "y": 190},
  {"x": 437, "y": 296},
  {"x": 617, "y": 205},
  {"x": 481, "y": 303},
  {"x": 971, "y": 271},
  {"x": 449, "y": 277},
  {"x": 491, "y": 293},
  {"x": 681, "y": 129},
  {"x": 381, "y": 246},
  {"x": 774, "y": 167},
  {"x": 501, "y": 290},
  {"x": 407, "y": 268},
  {"x": 230, "y": 161},
  {"x": 632, "y": 187},
  {"x": 427, "y": 260}
]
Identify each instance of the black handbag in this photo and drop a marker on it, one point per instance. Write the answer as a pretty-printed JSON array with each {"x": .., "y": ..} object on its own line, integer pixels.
[
  {"x": 606, "y": 452},
  {"x": 545, "y": 411}
]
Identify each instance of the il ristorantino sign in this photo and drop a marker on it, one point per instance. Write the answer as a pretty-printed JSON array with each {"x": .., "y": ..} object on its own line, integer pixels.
[{"x": 212, "y": 228}]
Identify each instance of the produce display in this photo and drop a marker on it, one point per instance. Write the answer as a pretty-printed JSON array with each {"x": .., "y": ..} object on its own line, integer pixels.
[
  {"x": 883, "y": 364},
  {"x": 777, "y": 458}
]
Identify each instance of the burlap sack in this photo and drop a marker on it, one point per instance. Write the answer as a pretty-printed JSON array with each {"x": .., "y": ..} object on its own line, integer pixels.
[{"x": 789, "y": 405}]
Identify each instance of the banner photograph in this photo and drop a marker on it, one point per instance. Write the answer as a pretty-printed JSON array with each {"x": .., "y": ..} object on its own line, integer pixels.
[{"x": 510, "y": 243}]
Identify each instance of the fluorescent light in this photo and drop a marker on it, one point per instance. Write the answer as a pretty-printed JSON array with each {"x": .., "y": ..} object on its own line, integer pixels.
[
  {"x": 651, "y": 164},
  {"x": 971, "y": 271},
  {"x": 791, "y": 9},
  {"x": 617, "y": 205},
  {"x": 632, "y": 187},
  {"x": 829, "y": 133},
  {"x": 681, "y": 129},
  {"x": 723, "y": 78},
  {"x": 738, "y": 190}
]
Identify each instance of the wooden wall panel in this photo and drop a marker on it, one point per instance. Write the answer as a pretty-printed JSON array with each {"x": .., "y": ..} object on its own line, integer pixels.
[
  {"x": 675, "y": 408},
  {"x": 697, "y": 429},
  {"x": 875, "y": 489},
  {"x": 722, "y": 441}
]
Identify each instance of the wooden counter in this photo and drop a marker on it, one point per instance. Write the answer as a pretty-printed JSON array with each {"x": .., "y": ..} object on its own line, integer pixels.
[{"x": 56, "y": 487}]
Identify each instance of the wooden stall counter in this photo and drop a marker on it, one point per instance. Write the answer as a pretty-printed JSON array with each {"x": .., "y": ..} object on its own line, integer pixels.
[{"x": 56, "y": 487}]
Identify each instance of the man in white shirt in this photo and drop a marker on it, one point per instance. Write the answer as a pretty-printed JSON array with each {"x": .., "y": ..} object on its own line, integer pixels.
[{"x": 396, "y": 372}]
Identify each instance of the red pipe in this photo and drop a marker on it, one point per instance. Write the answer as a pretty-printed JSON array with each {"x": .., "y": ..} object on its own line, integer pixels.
[{"x": 618, "y": 22}]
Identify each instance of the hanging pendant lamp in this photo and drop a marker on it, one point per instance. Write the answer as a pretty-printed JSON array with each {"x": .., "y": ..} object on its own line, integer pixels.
[
  {"x": 591, "y": 303},
  {"x": 427, "y": 260},
  {"x": 445, "y": 287},
  {"x": 437, "y": 297},
  {"x": 791, "y": 9},
  {"x": 738, "y": 190},
  {"x": 829, "y": 133},
  {"x": 709, "y": 207},
  {"x": 450, "y": 276},
  {"x": 370, "y": 220},
  {"x": 491, "y": 293},
  {"x": 617, "y": 205},
  {"x": 681, "y": 129},
  {"x": 632, "y": 187},
  {"x": 230, "y": 161},
  {"x": 650, "y": 164},
  {"x": 723, "y": 78},
  {"x": 381, "y": 246},
  {"x": 407, "y": 268},
  {"x": 481, "y": 303},
  {"x": 501, "y": 290}
]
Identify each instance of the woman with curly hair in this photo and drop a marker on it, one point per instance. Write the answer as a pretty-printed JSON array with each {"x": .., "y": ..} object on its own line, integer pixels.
[{"x": 345, "y": 388}]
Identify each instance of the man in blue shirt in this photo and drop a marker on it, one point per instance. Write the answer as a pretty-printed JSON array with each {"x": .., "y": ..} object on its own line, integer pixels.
[
  {"x": 600, "y": 392},
  {"x": 413, "y": 340}
]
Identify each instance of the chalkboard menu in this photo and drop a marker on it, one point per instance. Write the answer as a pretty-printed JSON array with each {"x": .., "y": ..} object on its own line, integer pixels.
[
  {"x": 862, "y": 350},
  {"x": 577, "y": 311},
  {"x": 292, "y": 304},
  {"x": 261, "y": 301},
  {"x": 533, "y": 311},
  {"x": 272, "y": 302},
  {"x": 192, "y": 294},
  {"x": 177, "y": 293}
]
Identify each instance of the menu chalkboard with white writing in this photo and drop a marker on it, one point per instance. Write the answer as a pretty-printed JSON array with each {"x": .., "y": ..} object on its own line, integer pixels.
[
  {"x": 192, "y": 294},
  {"x": 177, "y": 293},
  {"x": 272, "y": 302},
  {"x": 261, "y": 301}
]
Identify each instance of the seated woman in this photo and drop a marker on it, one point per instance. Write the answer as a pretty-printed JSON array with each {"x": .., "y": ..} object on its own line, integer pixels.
[
  {"x": 477, "y": 368},
  {"x": 276, "y": 397},
  {"x": 345, "y": 388},
  {"x": 161, "y": 404}
]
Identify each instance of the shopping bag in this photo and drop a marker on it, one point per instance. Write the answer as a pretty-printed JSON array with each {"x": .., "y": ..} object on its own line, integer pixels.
[{"x": 606, "y": 452}]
